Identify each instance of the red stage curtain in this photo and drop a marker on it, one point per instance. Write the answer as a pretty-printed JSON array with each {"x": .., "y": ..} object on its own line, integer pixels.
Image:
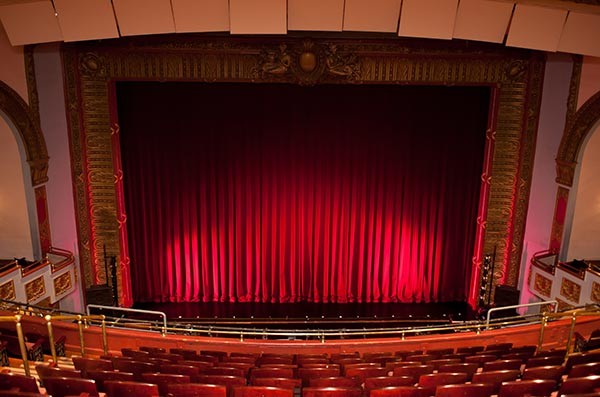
[{"x": 282, "y": 193}]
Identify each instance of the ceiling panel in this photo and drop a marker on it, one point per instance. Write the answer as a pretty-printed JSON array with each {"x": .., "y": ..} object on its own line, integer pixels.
[
  {"x": 581, "y": 34},
  {"x": 29, "y": 23},
  {"x": 137, "y": 17},
  {"x": 86, "y": 20},
  {"x": 201, "y": 15},
  {"x": 536, "y": 27},
  {"x": 302, "y": 15},
  {"x": 482, "y": 20},
  {"x": 428, "y": 18},
  {"x": 258, "y": 16},
  {"x": 372, "y": 16}
]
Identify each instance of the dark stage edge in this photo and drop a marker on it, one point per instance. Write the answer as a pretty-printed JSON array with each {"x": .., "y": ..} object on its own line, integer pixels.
[{"x": 375, "y": 312}]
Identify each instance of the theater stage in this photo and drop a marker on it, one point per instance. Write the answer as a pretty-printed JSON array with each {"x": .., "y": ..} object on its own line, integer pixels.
[{"x": 315, "y": 315}]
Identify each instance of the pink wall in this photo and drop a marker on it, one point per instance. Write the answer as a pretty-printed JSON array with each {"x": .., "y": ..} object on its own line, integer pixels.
[
  {"x": 12, "y": 66},
  {"x": 590, "y": 79},
  {"x": 59, "y": 188},
  {"x": 584, "y": 242},
  {"x": 540, "y": 213}
]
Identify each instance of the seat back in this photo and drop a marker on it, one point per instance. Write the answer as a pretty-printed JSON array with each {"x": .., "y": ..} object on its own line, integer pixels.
[
  {"x": 196, "y": 390},
  {"x": 163, "y": 380},
  {"x": 334, "y": 381},
  {"x": 584, "y": 384},
  {"x": 331, "y": 392},
  {"x": 538, "y": 387},
  {"x": 465, "y": 390},
  {"x": 413, "y": 370},
  {"x": 283, "y": 383},
  {"x": 495, "y": 378},
  {"x": 554, "y": 372},
  {"x": 580, "y": 370},
  {"x": 188, "y": 370},
  {"x": 115, "y": 388},
  {"x": 101, "y": 376},
  {"x": 137, "y": 368},
  {"x": 431, "y": 381},
  {"x": 261, "y": 391},
  {"x": 272, "y": 372},
  {"x": 365, "y": 372},
  {"x": 45, "y": 371},
  {"x": 61, "y": 387},
  {"x": 399, "y": 391},
  {"x": 17, "y": 381},
  {"x": 386, "y": 381},
  {"x": 84, "y": 365},
  {"x": 502, "y": 364},
  {"x": 310, "y": 373},
  {"x": 468, "y": 368},
  {"x": 544, "y": 361}
]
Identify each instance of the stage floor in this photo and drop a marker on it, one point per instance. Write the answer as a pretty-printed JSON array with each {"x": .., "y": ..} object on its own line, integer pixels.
[{"x": 316, "y": 313}]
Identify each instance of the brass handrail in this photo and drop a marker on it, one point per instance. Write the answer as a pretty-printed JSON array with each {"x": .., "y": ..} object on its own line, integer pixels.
[
  {"x": 81, "y": 319},
  {"x": 21, "y": 338}
]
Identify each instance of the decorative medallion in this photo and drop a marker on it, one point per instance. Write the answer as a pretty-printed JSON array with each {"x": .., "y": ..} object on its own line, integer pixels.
[
  {"x": 7, "y": 291},
  {"x": 542, "y": 285},
  {"x": 35, "y": 288},
  {"x": 62, "y": 284},
  {"x": 570, "y": 290}
]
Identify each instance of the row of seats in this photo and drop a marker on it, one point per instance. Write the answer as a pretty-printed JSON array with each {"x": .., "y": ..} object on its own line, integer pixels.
[{"x": 183, "y": 372}]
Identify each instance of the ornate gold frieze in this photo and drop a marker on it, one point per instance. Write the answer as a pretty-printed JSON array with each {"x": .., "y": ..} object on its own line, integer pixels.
[
  {"x": 570, "y": 290},
  {"x": 542, "y": 285},
  {"x": 7, "y": 291},
  {"x": 595, "y": 294},
  {"x": 62, "y": 283},
  {"x": 35, "y": 288},
  {"x": 92, "y": 69}
]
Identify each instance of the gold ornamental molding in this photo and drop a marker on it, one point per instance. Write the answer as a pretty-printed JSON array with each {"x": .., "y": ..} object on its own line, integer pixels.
[
  {"x": 7, "y": 291},
  {"x": 27, "y": 124},
  {"x": 35, "y": 289},
  {"x": 542, "y": 285},
  {"x": 91, "y": 70}
]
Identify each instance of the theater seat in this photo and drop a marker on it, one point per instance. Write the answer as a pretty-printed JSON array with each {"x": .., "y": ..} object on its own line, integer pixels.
[
  {"x": 91, "y": 364},
  {"x": 261, "y": 391},
  {"x": 164, "y": 380},
  {"x": 399, "y": 391},
  {"x": 283, "y": 383},
  {"x": 61, "y": 387},
  {"x": 335, "y": 381},
  {"x": 522, "y": 388},
  {"x": 496, "y": 378},
  {"x": 102, "y": 376},
  {"x": 7, "y": 393},
  {"x": 130, "y": 389},
  {"x": 331, "y": 392},
  {"x": 431, "y": 381},
  {"x": 17, "y": 381},
  {"x": 554, "y": 372},
  {"x": 464, "y": 390},
  {"x": 386, "y": 381},
  {"x": 196, "y": 390}
]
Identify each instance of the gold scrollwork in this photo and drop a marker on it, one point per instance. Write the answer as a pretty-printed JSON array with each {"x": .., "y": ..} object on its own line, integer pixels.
[
  {"x": 35, "y": 288},
  {"x": 570, "y": 290},
  {"x": 542, "y": 285}
]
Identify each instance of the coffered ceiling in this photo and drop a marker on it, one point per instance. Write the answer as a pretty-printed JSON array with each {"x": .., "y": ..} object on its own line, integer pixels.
[{"x": 548, "y": 25}]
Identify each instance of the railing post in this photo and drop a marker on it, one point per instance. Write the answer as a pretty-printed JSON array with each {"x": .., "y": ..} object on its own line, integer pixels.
[
  {"x": 571, "y": 335},
  {"x": 22, "y": 345},
  {"x": 542, "y": 329},
  {"x": 81, "y": 342},
  {"x": 48, "y": 319},
  {"x": 104, "y": 336}
]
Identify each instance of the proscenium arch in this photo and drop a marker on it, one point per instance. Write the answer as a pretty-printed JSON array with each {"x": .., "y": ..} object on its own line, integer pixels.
[
  {"x": 19, "y": 113},
  {"x": 575, "y": 135}
]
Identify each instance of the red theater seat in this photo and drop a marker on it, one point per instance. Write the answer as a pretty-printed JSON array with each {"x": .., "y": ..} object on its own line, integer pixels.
[
  {"x": 101, "y": 376},
  {"x": 224, "y": 380},
  {"x": 480, "y": 359},
  {"x": 522, "y": 388},
  {"x": 413, "y": 370},
  {"x": 422, "y": 358},
  {"x": 196, "y": 390},
  {"x": 386, "y": 381},
  {"x": 45, "y": 371},
  {"x": 437, "y": 363},
  {"x": 152, "y": 349},
  {"x": 554, "y": 372},
  {"x": 331, "y": 392},
  {"x": 365, "y": 372},
  {"x": 399, "y": 391},
  {"x": 580, "y": 370},
  {"x": 20, "y": 382},
  {"x": 224, "y": 371},
  {"x": 470, "y": 349},
  {"x": 431, "y": 381},
  {"x": 188, "y": 370},
  {"x": 261, "y": 391},
  {"x": 335, "y": 381},
  {"x": 8, "y": 393},
  {"x": 137, "y": 368},
  {"x": 496, "y": 378},
  {"x": 91, "y": 364},
  {"x": 544, "y": 361},
  {"x": 164, "y": 380},
  {"x": 61, "y": 387},
  {"x": 499, "y": 365},
  {"x": 310, "y": 373},
  {"x": 503, "y": 347},
  {"x": 140, "y": 355},
  {"x": 584, "y": 384},
  {"x": 468, "y": 368},
  {"x": 464, "y": 390},
  {"x": 272, "y": 373},
  {"x": 283, "y": 383},
  {"x": 116, "y": 388}
]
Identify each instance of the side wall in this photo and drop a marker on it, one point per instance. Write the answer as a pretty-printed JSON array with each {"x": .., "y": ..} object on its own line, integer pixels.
[{"x": 553, "y": 112}]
